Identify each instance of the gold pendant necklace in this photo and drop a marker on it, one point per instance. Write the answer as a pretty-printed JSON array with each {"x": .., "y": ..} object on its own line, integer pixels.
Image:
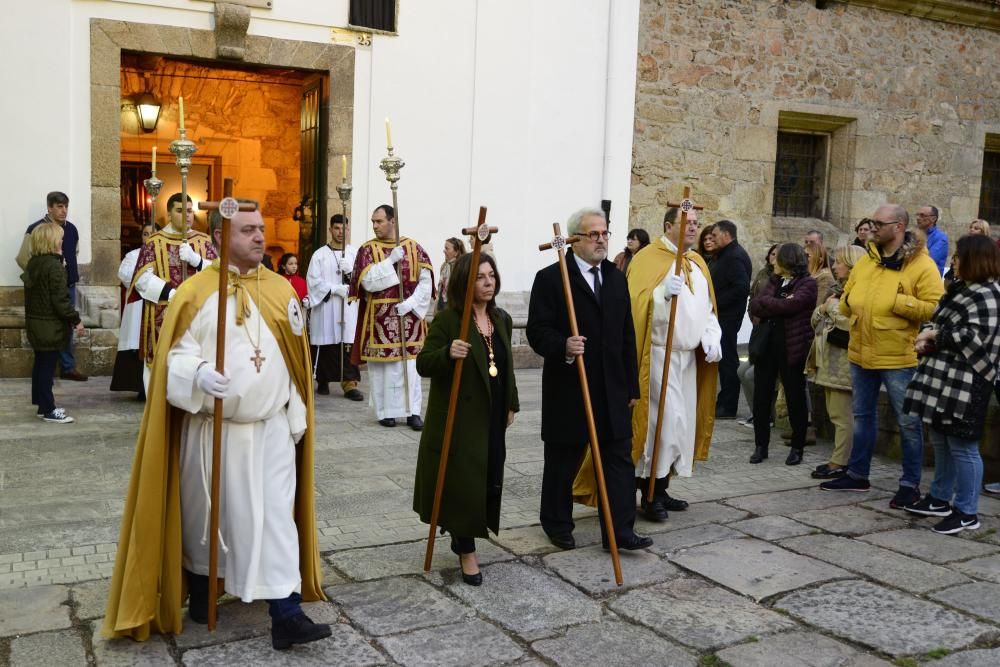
[
  {"x": 257, "y": 358},
  {"x": 488, "y": 340}
]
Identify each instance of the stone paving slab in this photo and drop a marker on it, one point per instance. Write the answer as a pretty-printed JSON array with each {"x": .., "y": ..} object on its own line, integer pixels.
[
  {"x": 698, "y": 614},
  {"x": 976, "y": 658},
  {"x": 126, "y": 653},
  {"x": 91, "y": 598},
  {"x": 851, "y": 520},
  {"x": 772, "y": 527},
  {"x": 344, "y": 647},
  {"x": 882, "y": 618},
  {"x": 52, "y": 649},
  {"x": 23, "y": 610},
  {"x": 239, "y": 620},
  {"x": 473, "y": 643},
  {"x": 697, "y": 514},
  {"x": 388, "y": 606},
  {"x": 666, "y": 544},
  {"x": 407, "y": 558},
  {"x": 787, "y": 503},
  {"x": 798, "y": 649},
  {"x": 882, "y": 565},
  {"x": 987, "y": 567},
  {"x": 979, "y": 598},
  {"x": 525, "y": 541},
  {"x": 527, "y": 601},
  {"x": 756, "y": 568},
  {"x": 613, "y": 643},
  {"x": 590, "y": 568},
  {"x": 928, "y": 545}
]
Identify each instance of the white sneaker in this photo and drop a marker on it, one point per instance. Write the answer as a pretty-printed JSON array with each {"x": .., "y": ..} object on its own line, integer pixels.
[{"x": 58, "y": 416}]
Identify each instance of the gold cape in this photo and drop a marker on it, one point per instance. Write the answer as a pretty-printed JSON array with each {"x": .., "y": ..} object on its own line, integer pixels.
[
  {"x": 645, "y": 272},
  {"x": 147, "y": 587}
]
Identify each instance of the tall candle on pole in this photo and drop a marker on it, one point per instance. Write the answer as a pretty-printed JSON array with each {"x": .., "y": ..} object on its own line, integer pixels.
[
  {"x": 153, "y": 185},
  {"x": 183, "y": 149},
  {"x": 391, "y": 165},
  {"x": 344, "y": 190}
]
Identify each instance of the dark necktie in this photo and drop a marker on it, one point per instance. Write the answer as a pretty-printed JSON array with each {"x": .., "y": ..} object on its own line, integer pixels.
[{"x": 597, "y": 282}]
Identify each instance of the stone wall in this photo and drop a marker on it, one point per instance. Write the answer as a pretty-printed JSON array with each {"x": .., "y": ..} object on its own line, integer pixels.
[{"x": 907, "y": 103}]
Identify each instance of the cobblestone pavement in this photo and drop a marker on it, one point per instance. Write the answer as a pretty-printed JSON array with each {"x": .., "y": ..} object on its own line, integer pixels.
[{"x": 763, "y": 568}]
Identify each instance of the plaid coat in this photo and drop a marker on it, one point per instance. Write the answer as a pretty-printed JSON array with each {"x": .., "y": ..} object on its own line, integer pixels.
[{"x": 952, "y": 385}]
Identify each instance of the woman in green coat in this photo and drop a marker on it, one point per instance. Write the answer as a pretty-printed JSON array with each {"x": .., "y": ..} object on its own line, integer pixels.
[
  {"x": 487, "y": 401},
  {"x": 48, "y": 316}
]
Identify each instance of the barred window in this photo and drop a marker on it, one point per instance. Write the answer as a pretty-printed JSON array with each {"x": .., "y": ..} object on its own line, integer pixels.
[
  {"x": 374, "y": 14},
  {"x": 800, "y": 175},
  {"x": 989, "y": 194}
]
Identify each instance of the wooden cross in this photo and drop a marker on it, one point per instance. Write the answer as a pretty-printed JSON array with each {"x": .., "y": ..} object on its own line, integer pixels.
[
  {"x": 559, "y": 243},
  {"x": 257, "y": 359},
  {"x": 227, "y": 207},
  {"x": 685, "y": 206}
]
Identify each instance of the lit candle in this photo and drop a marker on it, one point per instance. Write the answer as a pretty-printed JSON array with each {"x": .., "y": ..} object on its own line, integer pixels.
[
  {"x": 388, "y": 134},
  {"x": 180, "y": 102},
  {"x": 154, "y": 160},
  {"x": 343, "y": 167}
]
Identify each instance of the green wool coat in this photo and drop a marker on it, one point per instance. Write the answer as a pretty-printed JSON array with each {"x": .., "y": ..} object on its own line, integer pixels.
[
  {"x": 463, "y": 504},
  {"x": 48, "y": 315}
]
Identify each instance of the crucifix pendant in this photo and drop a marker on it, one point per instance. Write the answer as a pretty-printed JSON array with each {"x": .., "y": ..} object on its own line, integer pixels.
[{"x": 257, "y": 359}]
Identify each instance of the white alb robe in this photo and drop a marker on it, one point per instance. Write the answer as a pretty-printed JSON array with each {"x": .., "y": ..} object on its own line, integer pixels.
[
  {"x": 696, "y": 326},
  {"x": 264, "y": 417},
  {"x": 386, "y": 377},
  {"x": 128, "y": 331},
  {"x": 325, "y": 316}
]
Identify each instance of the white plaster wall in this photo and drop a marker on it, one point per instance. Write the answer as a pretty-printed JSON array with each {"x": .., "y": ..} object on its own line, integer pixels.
[{"x": 502, "y": 103}]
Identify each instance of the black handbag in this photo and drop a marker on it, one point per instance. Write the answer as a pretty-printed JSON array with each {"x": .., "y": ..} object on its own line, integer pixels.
[
  {"x": 760, "y": 336},
  {"x": 838, "y": 337}
]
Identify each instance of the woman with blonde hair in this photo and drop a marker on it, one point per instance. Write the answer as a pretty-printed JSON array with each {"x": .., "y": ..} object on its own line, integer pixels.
[
  {"x": 49, "y": 318},
  {"x": 827, "y": 364},
  {"x": 979, "y": 226},
  {"x": 819, "y": 263}
]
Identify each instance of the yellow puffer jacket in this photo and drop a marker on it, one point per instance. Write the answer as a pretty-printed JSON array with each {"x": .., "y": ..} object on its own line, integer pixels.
[{"x": 886, "y": 305}]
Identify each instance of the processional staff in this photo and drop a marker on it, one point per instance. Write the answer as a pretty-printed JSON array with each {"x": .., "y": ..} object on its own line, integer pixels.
[
  {"x": 183, "y": 148},
  {"x": 559, "y": 243},
  {"x": 153, "y": 185},
  {"x": 227, "y": 207},
  {"x": 685, "y": 206},
  {"x": 344, "y": 190},
  {"x": 482, "y": 235},
  {"x": 391, "y": 165}
]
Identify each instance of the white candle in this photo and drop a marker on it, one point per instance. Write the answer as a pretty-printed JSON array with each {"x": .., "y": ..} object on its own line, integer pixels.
[
  {"x": 388, "y": 134},
  {"x": 154, "y": 160},
  {"x": 343, "y": 167},
  {"x": 180, "y": 102}
]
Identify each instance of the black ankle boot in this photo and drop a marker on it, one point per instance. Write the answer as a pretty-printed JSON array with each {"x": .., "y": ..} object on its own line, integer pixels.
[
  {"x": 198, "y": 597},
  {"x": 298, "y": 629},
  {"x": 794, "y": 457},
  {"x": 759, "y": 454},
  {"x": 672, "y": 504}
]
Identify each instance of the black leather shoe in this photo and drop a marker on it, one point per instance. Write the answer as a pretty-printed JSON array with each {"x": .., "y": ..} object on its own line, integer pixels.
[
  {"x": 298, "y": 629},
  {"x": 323, "y": 389},
  {"x": 387, "y": 422},
  {"x": 794, "y": 457},
  {"x": 654, "y": 511},
  {"x": 564, "y": 541},
  {"x": 674, "y": 504},
  {"x": 632, "y": 543},
  {"x": 759, "y": 454},
  {"x": 415, "y": 422},
  {"x": 198, "y": 600},
  {"x": 354, "y": 395},
  {"x": 470, "y": 579}
]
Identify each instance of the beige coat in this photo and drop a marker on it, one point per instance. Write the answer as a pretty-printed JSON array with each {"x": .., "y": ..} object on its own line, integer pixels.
[{"x": 827, "y": 365}]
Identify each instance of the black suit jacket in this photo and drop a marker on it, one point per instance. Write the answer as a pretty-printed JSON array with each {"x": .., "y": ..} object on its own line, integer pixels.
[
  {"x": 731, "y": 270},
  {"x": 612, "y": 369}
]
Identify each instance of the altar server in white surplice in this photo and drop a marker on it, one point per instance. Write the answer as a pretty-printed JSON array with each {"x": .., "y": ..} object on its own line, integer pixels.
[{"x": 332, "y": 320}]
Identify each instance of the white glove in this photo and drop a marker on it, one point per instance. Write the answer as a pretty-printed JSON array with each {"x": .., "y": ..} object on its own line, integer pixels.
[
  {"x": 345, "y": 265},
  {"x": 339, "y": 290},
  {"x": 396, "y": 254},
  {"x": 188, "y": 255},
  {"x": 212, "y": 382},
  {"x": 305, "y": 302},
  {"x": 675, "y": 284},
  {"x": 404, "y": 307},
  {"x": 713, "y": 352},
  {"x": 170, "y": 295}
]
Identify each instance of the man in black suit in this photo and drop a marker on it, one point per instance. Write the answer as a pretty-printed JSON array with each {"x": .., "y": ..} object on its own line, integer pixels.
[
  {"x": 607, "y": 344},
  {"x": 731, "y": 272}
]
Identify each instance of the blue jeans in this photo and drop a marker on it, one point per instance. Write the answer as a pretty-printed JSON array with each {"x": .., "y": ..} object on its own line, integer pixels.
[
  {"x": 66, "y": 360},
  {"x": 958, "y": 471},
  {"x": 284, "y": 608},
  {"x": 866, "y": 384}
]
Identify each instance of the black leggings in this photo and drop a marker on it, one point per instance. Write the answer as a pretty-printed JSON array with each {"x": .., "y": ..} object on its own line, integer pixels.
[{"x": 766, "y": 371}]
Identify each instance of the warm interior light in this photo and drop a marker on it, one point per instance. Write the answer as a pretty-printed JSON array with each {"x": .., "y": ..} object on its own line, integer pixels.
[{"x": 148, "y": 108}]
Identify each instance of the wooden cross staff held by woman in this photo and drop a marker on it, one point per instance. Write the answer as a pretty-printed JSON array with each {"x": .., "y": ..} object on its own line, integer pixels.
[
  {"x": 685, "y": 206},
  {"x": 559, "y": 243},
  {"x": 482, "y": 235},
  {"x": 228, "y": 207}
]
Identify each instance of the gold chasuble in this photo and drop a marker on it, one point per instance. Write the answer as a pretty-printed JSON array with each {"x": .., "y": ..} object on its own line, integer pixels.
[
  {"x": 147, "y": 588},
  {"x": 645, "y": 272}
]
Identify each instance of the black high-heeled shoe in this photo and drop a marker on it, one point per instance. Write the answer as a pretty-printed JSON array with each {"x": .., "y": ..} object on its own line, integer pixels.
[{"x": 471, "y": 579}]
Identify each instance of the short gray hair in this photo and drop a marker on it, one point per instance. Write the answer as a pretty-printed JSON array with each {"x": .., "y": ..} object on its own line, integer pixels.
[{"x": 576, "y": 220}]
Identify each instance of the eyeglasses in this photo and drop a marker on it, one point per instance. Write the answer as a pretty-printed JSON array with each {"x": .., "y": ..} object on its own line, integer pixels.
[
  {"x": 597, "y": 236},
  {"x": 880, "y": 224}
]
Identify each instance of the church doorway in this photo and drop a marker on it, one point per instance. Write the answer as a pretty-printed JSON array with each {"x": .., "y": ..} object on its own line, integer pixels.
[{"x": 259, "y": 125}]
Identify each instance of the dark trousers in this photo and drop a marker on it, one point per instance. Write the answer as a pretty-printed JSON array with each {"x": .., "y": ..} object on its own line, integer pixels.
[
  {"x": 66, "y": 360},
  {"x": 766, "y": 371},
  {"x": 729, "y": 381},
  {"x": 327, "y": 364},
  {"x": 561, "y": 462},
  {"x": 42, "y": 372},
  {"x": 279, "y": 609}
]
